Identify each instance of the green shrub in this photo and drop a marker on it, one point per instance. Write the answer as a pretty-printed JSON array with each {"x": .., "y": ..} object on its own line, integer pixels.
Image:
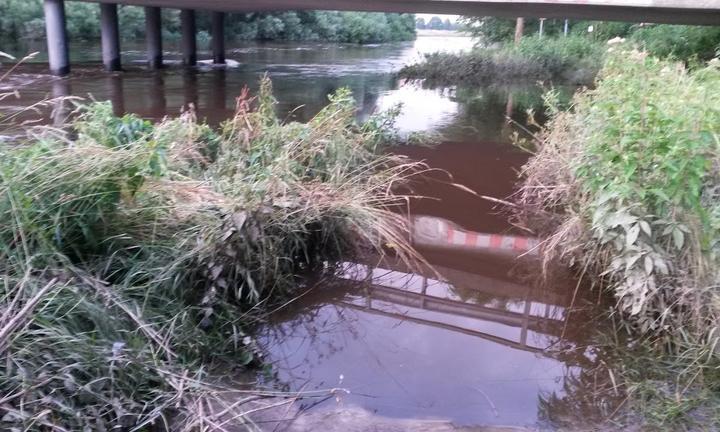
[
  {"x": 134, "y": 257},
  {"x": 679, "y": 42},
  {"x": 630, "y": 177}
]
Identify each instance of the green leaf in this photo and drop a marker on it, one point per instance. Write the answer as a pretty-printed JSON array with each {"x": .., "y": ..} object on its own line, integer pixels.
[
  {"x": 678, "y": 238},
  {"x": 632, "y": 235},
  {"x": 646, "y": 228},
  {"x": 648, "y": 265}
]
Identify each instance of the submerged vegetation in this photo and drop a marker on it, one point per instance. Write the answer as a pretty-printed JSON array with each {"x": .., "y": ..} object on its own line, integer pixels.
[
  {"x": 136, "y": 255},
  {"x": 574, "y": 60},
  {"x": 625, "y": 187}
]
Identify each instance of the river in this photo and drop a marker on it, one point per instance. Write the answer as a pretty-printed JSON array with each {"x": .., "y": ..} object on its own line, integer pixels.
[{"x": 481, "y": 339}]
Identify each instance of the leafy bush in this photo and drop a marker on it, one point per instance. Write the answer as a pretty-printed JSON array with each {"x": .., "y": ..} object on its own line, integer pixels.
[
  {"x": 603, "y": 30},
  {"x": 629, "y": 182},
  {"x": 558, "y": 55},
  {"x": 490, "y": 30},
  {"x": 679, "y": 42},
  {"x": 134, "y": 256}
]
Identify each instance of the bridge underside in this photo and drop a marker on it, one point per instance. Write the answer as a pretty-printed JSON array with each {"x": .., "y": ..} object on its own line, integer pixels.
[{"x": 701, "y": 12}]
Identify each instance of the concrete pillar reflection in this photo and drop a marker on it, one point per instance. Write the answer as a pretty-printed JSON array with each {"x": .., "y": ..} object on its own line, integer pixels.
[
  {"x": 60, "y": 89},
  {"x": 57, "y": 42},
  {"x": 153, "y": 35},
  {"x": 158, "y": 102},
  {"x": 110, "y": 36},
  {"x": 190, "y": 89},
  {"x": 116, "y": 94},
  {"x": 218, "y": 91}
]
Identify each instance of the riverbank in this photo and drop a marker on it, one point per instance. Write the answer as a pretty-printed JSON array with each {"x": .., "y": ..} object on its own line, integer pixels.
[
  {"x": 624, "y": 188},
  {"x": 491, "y": 343},
  {"x": 572, "y": 60},
  {"x": 137, "y": 255}
]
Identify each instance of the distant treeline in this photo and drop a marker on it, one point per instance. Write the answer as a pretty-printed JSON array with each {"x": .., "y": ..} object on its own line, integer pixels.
[
  {"x": 678, "y": 41},
  {"x": 435, "y": 23},
  {"x": 23, "y": 19}
]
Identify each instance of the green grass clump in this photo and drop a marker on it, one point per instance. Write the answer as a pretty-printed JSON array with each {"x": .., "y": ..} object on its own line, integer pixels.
[
  {"x": 626, "y": 187},
  {"x": 135, "y": 256},
  {"x": 572, "y": 59}
]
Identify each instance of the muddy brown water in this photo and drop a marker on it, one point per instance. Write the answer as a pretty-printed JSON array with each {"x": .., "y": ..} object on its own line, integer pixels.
[{"x": 474, "y": 342}]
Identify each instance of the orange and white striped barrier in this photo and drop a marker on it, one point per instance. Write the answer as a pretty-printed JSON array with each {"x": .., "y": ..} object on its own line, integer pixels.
[{"x": 436, "y": 232}]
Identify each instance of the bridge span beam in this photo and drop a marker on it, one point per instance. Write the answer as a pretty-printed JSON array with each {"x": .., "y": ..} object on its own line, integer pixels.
[
  {"x": 188, "y": 28},
  {"x": 153, "y": 36},
  {"x": 218, "y": 37},
  {"x": 57, "y": 41},
  {"x": 110, "y": 36},
  {"x": 698, "y": 12}
]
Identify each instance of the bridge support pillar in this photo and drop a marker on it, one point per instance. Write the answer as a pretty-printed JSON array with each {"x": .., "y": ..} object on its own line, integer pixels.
[
  {"x": 189, "y": 37},
  {"x": 153, "y": 35},
  {"x": 57, "y": 42},
  {"x": 218, "y": 37},
  {"x": 110, "y": 34}
]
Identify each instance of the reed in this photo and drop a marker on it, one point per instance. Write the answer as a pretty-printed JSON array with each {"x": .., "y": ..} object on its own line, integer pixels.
[{"x": 135, "y": 257}]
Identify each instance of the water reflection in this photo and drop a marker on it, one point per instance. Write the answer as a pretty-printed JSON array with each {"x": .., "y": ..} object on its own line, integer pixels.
[
  {"x": 303, "y": 75},
  {"x": 116, "y": 93},
  {"x": 410, "y": 343}
]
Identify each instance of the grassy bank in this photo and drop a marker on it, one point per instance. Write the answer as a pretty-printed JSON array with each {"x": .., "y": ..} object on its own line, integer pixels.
[
  {"x": 573, "y": 60},
  {"x": 134, "y": 256},
  {"x": 624, "y": 186}
]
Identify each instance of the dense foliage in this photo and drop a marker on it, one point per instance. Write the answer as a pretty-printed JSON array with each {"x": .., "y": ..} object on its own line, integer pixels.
[
  {"x": 678, "y": 41},
  {"x": 492, "y": 29},
  {"x": 625, "y": 186},
  {"x": 631, "y": 177},
  {"x": 681, "y": 42},
  {"x": 134, "y": 256},
  {"x": 24, "y": 19},
  {"x": 571, "y": 59}
]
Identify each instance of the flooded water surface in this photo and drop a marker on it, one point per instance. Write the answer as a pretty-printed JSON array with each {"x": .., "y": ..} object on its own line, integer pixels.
[{"x": 474, "y": 339}]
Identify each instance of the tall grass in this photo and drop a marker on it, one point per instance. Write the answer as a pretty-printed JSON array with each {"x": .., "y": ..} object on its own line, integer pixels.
[
  {"x": 625, "y": 186},
  {"x": 135, "y": 256},
  {"x": 572, "y": 59}
]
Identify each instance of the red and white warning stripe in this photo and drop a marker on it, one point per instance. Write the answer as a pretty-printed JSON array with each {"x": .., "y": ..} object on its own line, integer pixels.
[{"x": 436, "y": 232}]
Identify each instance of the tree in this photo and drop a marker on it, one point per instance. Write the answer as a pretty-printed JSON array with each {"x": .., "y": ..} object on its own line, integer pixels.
[
  {"x": 435, "y": 23},
  {"x": 420, "y": 23}
]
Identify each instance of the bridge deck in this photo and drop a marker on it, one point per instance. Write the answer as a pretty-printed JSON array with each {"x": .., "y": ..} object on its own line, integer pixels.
[{"x": 705, "y": 12}]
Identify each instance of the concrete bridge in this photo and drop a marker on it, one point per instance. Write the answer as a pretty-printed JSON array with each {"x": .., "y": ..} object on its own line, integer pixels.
[{"x": 704, "y": 12}]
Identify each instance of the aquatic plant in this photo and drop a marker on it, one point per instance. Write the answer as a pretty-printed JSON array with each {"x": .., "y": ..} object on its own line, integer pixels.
[
  {"x": 135, "y": 256},
  {"x": 624, "y": 185}
]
